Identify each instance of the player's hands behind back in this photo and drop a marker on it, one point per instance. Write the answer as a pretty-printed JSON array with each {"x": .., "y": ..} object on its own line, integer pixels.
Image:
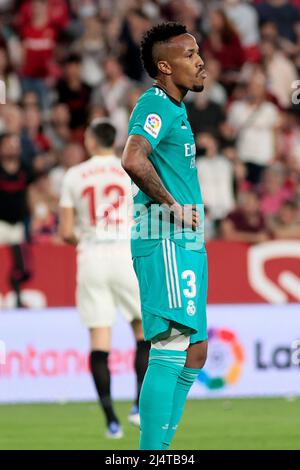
[{"x": 186, "y": 215}]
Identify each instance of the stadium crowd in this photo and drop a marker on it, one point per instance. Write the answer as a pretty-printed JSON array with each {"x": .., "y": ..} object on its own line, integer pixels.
[{"x": 67, "y": 62}]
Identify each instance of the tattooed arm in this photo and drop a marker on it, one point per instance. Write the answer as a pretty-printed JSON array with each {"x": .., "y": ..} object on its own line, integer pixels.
[{"x": 136, "y": 163}]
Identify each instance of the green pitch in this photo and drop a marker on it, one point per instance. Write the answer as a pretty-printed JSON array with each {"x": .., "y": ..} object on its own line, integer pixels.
[{"x": 208, "y": 424}]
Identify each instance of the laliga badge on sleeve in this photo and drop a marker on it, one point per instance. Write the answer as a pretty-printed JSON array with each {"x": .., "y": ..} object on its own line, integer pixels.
[{"x": 153, "y": 125}]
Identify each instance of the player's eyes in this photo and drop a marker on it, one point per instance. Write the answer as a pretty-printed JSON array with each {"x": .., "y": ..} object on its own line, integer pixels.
[{"x": 192, "y": 54}]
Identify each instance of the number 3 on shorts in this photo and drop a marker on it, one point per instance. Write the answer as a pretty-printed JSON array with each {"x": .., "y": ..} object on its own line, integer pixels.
[{"x": 190, "y": 276}]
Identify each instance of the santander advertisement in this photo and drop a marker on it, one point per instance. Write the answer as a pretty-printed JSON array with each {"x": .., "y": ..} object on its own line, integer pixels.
[
  {"x": 264, "y": 273},
  {"x": 254, "y": 350}
]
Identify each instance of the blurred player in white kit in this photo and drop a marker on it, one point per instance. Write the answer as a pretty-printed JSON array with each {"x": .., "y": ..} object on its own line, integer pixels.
[{"x": 95, "y": 198}]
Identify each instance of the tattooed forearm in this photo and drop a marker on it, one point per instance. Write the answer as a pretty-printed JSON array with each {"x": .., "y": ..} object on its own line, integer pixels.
[{"x": 136, "y": 163}]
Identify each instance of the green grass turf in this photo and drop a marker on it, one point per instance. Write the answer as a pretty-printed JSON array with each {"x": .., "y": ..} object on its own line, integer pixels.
[{"x": 207, "y": 424}]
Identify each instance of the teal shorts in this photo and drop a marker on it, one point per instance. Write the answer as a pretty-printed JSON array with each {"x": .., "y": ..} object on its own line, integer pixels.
[{"x": 173, "y": 290}]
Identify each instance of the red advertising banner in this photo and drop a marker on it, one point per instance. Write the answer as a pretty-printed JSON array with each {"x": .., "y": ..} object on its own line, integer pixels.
[{"x": 238, "y": 273}]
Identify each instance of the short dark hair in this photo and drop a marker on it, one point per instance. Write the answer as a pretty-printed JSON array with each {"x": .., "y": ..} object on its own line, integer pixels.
[
  {"x": 104, "y": 132},
  {"x": 162, "y": 32}
]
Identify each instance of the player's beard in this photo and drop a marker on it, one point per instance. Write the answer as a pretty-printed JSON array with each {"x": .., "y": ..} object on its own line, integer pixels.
[{"x": 198, "y": 88}]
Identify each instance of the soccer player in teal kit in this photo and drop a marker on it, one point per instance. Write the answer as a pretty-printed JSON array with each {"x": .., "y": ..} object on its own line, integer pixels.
[{"x": 169, "y": 259}]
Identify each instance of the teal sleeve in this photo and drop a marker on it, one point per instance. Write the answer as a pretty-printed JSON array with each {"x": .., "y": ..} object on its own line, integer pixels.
[{"x": 152, "y": 118}]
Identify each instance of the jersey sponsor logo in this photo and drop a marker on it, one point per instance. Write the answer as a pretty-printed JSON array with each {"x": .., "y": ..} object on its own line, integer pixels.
[
  {"x": 190, "y": 150},
  {"x": 153, "y": 125}
]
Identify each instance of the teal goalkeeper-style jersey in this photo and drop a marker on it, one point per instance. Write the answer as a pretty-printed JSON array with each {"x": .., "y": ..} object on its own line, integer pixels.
[{"x": 163, "y": 122}]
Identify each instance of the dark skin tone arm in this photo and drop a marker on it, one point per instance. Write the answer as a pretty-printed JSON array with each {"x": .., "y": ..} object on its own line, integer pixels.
[{"x": 136, "y": 163}]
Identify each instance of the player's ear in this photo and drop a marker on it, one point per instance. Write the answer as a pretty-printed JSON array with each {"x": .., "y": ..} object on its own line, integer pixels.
[{"x": 164, "y": 67}]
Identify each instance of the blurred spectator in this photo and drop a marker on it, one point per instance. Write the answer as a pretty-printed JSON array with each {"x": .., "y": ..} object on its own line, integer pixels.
[
  {"x": 135, "y": 24},
  {"x": 12, "y": 121},
  {"x": 9, "y": 77},
  {"x": 57, "y": 13},
  {"x": 112, "y": 35},
  {"x": 73, "y": 92},
  {"x": 185, "y": 11},
  {"x": 133, "y": 96},
  {"x": 246, "y": 223},
  {"x": 223, "y": 43},
  {"x": 273, "y": 192},
  {"x": 6, "y": 5},
  {"x": 281, "y": 72},
  {"x": 34, "y": 128},
  {"x": 43, "y": 205},
  {"x": 14, "y": 180},
  {"x": 269, "y": 32},
  {"x": 112, "y": 94},
  {"x": 289, "y": 138},
  {"x": 92, "y": 46},
  {"x": 204, "y": 114},
  {"x": 30, "y": 98},
  {"x": 283, "y": 14},
  {"x": 245, "y": 108},
  {"x": 10, "y": 40},
  {"x": 44, "y": 161},
  {"x": 215, "y": 176},
  {"x": 97, "y": 111},
  {"x": 297, "y": 193},
  {"x": 73, "y": 154},
  {"x": 286, "y": 224},
  {"x": 209, "y": 226},
  {"x": 38, "y": 39},
  {"x": 58, "y": 129},
  {"x": 245, "y": 19},
  {"x": 240, "y": 183},
  {"x": 292, "y": 169},
  {"x": 254, "y": 120}
]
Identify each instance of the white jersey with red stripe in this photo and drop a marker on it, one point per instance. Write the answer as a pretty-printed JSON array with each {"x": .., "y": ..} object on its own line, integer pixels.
[{"x": 100, "y": 192}]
